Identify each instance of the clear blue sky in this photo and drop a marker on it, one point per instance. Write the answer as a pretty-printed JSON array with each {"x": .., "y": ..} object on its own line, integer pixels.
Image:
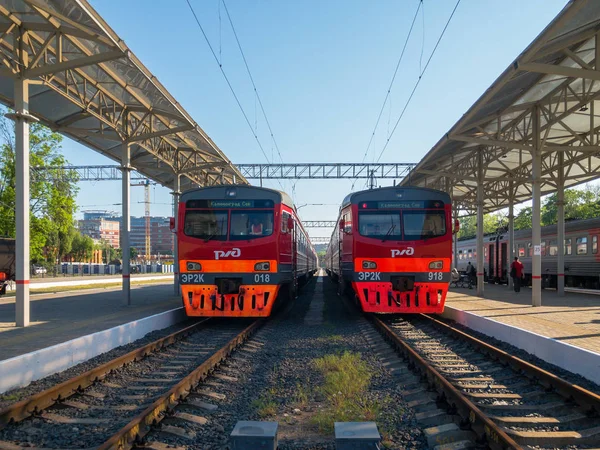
[{"x": 322, "y": 69}]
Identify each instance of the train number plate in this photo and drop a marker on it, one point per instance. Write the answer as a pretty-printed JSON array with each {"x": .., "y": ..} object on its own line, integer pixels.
[
  {"x": 192, "y": 278},
  {"x": 369, "y": 276},
  {"x": 435, "y": 276}
]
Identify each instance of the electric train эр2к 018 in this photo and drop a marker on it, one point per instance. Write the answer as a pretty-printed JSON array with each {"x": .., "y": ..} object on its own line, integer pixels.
[
  {"x": 393, "y": 247},
  {"x": 239, "y": 247}
]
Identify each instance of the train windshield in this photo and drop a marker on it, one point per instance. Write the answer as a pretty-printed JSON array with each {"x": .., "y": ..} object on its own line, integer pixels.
[
  {"x": 380, "y": 225},
  {"x": 209, "y": 225},
  {"x": 423, "y": 224},
  {"x": 248, "y": 224},
  {"x": 402, "y": 225}
]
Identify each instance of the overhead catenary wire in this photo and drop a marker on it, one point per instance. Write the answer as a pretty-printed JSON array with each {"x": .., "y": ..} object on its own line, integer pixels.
[
  {"x": 227, "y": 80},
  {"x": 418, "y": 81},
  {"x": 257, "y": 95},
  {"x": 387, "y": 95}
]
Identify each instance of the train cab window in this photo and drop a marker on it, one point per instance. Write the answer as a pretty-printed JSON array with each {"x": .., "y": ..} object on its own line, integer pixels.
[
  {"x": 284, "y": 222},
  {"x": 552, "y": 248},
  {"x": 380, "y": 225},
  {"x": 423, "y": 224},
  {"x": 521, "y": 250},
  {"x": 209, "y": 225},
  {"x": 581, "y": 245},
  {"x": 595, "y": 244},
  {"x": 568, "y": 247},
  {"x": 250, "y": 224}
]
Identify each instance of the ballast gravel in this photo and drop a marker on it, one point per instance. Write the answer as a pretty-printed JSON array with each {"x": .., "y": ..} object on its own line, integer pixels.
[{"x": 277, "y": 380}]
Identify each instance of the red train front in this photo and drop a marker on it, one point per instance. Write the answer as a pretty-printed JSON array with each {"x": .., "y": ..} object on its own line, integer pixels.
[
  {"x": 393, "y": 247},
  {"x": 239, "y": 246}
]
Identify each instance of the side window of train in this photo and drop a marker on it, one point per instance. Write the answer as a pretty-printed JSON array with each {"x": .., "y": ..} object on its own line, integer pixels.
[
  {"x": 543, "y": 245},
  {"x": 529, "y": 249},
  {"x": 595, "y": 244},
  {"x": 469, "y": 253},
  {"x": 521, "y": 250},
  {"x": 485, "y": 252},
  {"x": 582, "y": 245},
  {"x": 460, "y": 254},
  {"x": 552, "y": 248},
  {"x": 284, "y": 222},
  {"x": 568, "y": 246}
]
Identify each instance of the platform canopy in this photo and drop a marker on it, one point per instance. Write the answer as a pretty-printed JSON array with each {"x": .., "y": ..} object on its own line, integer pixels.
[
  {"x": 544, "y": 101},
  {"x": 89, "y": 86}
]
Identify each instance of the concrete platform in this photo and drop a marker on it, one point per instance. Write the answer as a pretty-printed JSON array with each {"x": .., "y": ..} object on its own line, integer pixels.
[
  {"x": 57, "y": 318},
  {"x": 564, "y": 331}
]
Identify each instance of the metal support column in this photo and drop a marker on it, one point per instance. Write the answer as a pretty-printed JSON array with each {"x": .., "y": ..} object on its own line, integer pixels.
[
  {"x": 536, "y": 160},
  {"x": 22, "y": 118},
  {"x": 480, "y": 193},
  {"x": 455, "y": 239},
  {"x": 176, "y": 193},
  {"x": 126, "y": 222},
  {"x": 511, "y": 235},
  {"x": 560, "y": 225}
]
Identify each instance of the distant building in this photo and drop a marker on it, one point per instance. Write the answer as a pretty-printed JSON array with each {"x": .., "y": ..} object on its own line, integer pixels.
[
  {"x": 161, "y": 238},
  {"x": 100, "y": 228},
  {"x": 106, "y": 225}
]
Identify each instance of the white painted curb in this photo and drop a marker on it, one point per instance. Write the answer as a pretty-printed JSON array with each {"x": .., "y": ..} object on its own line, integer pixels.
[
  {"x": 85, "y": 282},
  {"x": 569, "y": 357},
  {"x": 22, "y": 370}
]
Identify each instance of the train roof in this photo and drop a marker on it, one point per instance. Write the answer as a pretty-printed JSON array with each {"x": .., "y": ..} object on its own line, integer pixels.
[
  {"x": 241, "y": 192},
  {"x": 394, "y": 193}
]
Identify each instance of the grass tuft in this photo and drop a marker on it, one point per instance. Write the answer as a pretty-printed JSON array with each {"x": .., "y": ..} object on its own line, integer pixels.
[
  {"x": 347, "y": 379},
  {"x": 265, "y": 405}
]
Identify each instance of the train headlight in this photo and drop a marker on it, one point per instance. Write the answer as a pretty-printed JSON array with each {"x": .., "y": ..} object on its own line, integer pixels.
[
  {"x": 369, "y": 265},
  {"x": 193, "y": 266},
  {"x": 436, "y": 265},
  {"x": 262, "y": 266}
]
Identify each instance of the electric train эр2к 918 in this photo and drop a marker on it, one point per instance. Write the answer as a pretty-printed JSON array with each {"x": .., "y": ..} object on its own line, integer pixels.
[
  {"x": 240, "y": 248},
  {"x": 393, "y": 246}
]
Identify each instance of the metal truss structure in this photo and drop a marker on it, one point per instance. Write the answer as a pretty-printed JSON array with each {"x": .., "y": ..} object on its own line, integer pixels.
[
  {"x": 325, "y": 171},
  {"x": 270, "y": 171},
  {"x": 543, "y": 106},
  {"x": 319, "y": 240},
  {"x": 318, "y": 223},
  {"x": 85, "y": 83}
]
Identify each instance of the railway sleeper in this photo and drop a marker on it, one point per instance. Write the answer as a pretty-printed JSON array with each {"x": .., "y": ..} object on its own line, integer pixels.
[{"x": 590, "y": 436}]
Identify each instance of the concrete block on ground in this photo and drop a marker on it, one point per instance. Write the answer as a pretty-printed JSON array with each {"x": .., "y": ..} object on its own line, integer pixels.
[
  {"x": 356, "y": 435},
  {"x": 254, "y": 435}
]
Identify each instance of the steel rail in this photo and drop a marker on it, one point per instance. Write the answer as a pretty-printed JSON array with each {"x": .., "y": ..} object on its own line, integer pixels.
[
  {"x": 579, "y": 395},
  {"x": 480, "y": 423},
  {"x": 133, "y": 433},
  {"x": 44, "y": 399}
]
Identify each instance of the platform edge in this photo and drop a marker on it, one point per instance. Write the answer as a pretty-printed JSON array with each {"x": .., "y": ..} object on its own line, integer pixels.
[
  {"x": 20, "y": 371},
  {"x": 564, "y": 355}
]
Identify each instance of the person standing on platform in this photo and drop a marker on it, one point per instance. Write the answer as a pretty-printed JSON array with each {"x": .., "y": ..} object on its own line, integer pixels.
[{"x": 516, "y": 272}]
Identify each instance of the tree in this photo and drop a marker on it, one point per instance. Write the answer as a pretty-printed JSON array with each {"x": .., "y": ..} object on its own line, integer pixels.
[
  {"x": 523, "y": 219},
  {"x": 491, "y": 222},
  {"x": 52, "y": 193},
  {"x": 82, "y": 247}
]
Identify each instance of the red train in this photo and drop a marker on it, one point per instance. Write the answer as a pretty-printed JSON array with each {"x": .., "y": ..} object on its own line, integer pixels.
[
  {"x": 239, "y": 248},
  {"x": 393, "y": 247}
]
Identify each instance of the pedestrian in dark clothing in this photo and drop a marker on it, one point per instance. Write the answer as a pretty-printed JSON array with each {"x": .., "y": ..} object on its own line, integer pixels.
[
  {"x": 516, "y": 272},
  {"x": 472, "y": 274}
]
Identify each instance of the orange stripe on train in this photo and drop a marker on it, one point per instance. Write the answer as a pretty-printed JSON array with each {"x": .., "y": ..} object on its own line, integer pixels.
[{"x": 402, "y": 264}]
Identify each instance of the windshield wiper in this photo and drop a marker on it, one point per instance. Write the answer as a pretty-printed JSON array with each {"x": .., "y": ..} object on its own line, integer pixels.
[
  {"x": 210, "y": 237},
  {"x": 390, "y": 231}
]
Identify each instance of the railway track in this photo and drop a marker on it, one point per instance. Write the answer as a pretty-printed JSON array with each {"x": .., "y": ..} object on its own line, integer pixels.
[
  {"x": 482, "y": 392},
  {"x": 115, "y": 405}
]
